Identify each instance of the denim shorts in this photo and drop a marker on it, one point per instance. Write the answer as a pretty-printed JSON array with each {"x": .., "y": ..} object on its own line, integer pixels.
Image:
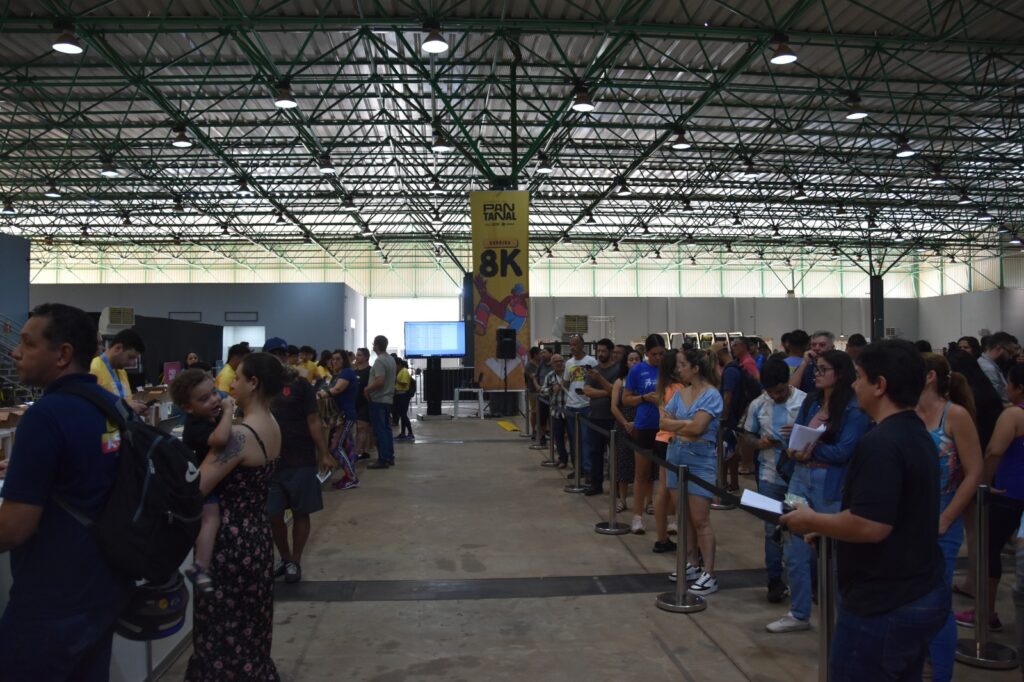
[{"x": 699, "y": 459}]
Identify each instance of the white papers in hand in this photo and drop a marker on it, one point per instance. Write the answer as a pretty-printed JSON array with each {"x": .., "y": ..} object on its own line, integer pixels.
[
  {"x": 759, "y": 501},
  {"x": 803, "y": 436}
]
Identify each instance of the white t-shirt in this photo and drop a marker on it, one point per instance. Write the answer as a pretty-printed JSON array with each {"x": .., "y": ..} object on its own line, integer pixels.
[
  {"x": 765, "y": 417},
  {"x": 575, "y": 377}
]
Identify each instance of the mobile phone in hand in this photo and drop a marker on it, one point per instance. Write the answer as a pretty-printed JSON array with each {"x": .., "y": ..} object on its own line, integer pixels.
[{"x": 579, "y": 391}]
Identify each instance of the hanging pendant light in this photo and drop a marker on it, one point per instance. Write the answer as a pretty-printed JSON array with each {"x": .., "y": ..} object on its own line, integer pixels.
[
  {"x": 783, "y": 53},
  {"x": 284, "y": 98}
]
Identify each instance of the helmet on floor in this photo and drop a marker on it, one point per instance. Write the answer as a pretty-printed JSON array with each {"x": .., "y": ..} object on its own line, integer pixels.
[{"x": 154, "y": 611}]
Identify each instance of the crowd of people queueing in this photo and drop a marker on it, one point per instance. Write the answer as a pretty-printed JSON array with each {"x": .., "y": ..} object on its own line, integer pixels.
[
  {"x": 907, "y": 435},
  {"x": 261, "y": 449}
]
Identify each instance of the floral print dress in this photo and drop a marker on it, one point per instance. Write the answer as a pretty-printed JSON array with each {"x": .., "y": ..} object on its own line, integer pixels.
[{"x": 232, "y": 627}]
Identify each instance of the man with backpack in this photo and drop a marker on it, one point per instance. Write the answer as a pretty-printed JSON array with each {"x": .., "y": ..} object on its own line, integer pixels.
[
  {"x": 739, "y": 388},
  {"x": 65, "y": 599}
]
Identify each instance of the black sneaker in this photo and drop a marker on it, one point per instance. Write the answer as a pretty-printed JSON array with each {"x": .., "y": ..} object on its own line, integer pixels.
[
  {"x": 292, "y": 573},
  {"x": 590, "y": 492},
  {"x": 279, "y": 570},
  {"x": 364, "y": 456},
  {"x": 379, "y": 464},
  {"x": 662, "y": 546},
  {"x": 777, "y": 590}
]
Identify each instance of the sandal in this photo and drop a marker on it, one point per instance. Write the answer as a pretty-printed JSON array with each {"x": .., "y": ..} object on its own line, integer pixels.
[
  {"x": 620, "y": 506},
  {"x": 200, "y": 579},
  {"x": 649, "y": 510}
]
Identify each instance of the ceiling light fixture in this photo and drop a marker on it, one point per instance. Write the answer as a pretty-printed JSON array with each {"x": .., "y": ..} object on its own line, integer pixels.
[
  {"x": 243, "y": 187},
  {"x": 434, "y": 43},
  {"x": 681, "y": 143},
  {"x": 622, "y": 189},
  {"x": 984, "y": 216},
  {"x": 1015, "y": 239},
  {"x": 583, "y": 102},
  {"x": 179, "y": 206},
  {"x": 181, "y": 140},
  {"x": 52, "y": 192},
  {"x": 436, "y": 187},
  {"x": 108, "y": 169},
  {"x": 66, "y": 41},
  {"x": 348, "y": 203},
  {"x": 783, "y": 53},
  {"x": 544, "y": 168},
  {"x": 325, "y": 165},
  {"x": 936, "y": 178},
  {"x": 903, "y": 150},
  {"x": 127, "y": 222},
  {"x": 590, "y": 218},
  {"x": 8, "y": 207},
  {"x": 736, "y": 220},
  {"x": 964, "y": 199},
  {"x": 800, "y": 195},
  {"x": 441, "y": 144},
  {"x": 1002, "y": 228},
  {"x": 855, "y": 111},
  {"x": 284, "y": 99},
  {"x": 749, "y": 172}
]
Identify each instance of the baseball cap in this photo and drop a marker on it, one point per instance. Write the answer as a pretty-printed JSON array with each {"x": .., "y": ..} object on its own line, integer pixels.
[{"x": 274, "y": 343}]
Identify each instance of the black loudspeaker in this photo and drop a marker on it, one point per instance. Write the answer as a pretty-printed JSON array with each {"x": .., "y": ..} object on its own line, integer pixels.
[{"x": 506, "y": 346}]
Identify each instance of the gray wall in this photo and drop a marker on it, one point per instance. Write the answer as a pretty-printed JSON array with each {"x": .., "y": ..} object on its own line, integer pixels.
[
  {"x": 769, "y": 317},
  {"x": 314, "y": 314},
  {"x": 947, "y": 318},
  {"x": 14, "y": 277}
]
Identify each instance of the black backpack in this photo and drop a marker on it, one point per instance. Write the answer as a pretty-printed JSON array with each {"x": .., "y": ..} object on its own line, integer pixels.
[
  {"x": 151, "y": 519},
  {"x": 748, "y": 389}
]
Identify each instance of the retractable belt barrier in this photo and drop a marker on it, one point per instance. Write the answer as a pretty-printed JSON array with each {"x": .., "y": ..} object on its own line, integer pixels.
[
  {"x": 550, "y": 461},
  {"x": 682, "y": 600},
  {"x": 980, "y": 652}
]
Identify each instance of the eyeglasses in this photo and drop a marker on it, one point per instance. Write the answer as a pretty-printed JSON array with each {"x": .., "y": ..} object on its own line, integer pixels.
[{"x": 818, "y": 371}]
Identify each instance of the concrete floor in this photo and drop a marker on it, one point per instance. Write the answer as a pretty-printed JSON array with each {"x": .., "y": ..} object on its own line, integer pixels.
[{"x": 469, "y": 502}]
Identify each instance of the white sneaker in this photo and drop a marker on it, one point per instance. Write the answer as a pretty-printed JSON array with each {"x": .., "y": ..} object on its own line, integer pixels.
[
  {"x": 673, "y": 527},
  {"x": 706, "y": 584},
  {"x": 692, "y": 573},
  {"x": 637, "y": 527},
  {"x": 788, "y": 623}
]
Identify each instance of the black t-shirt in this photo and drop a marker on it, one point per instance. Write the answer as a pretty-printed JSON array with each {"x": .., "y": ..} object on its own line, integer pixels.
[
  {"x": 601, "y": 408},
  {"x": 893, "y": 479},
  {"x": 364, "y": 380},
  {"x": 291, "y": 409},
  {"x": 197, "y": 434}
]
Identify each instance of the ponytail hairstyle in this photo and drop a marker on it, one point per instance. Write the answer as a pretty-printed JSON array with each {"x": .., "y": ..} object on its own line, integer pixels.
[
  {"x": 666, "y": 374},
  {"x": 706, "y": 363},
  {"x": 949, "y": 384}
]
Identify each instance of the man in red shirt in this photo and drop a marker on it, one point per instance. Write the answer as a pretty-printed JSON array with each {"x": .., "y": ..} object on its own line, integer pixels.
[{"x": 741, "y": 352}]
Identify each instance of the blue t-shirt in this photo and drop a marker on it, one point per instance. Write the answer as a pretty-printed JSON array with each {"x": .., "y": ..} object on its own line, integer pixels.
[
  {"x": 643, "y": 378},
  {"x": 792, "y": 362},
  {"x": 63, "y": 446},
  {"x": 709, "y": 401},
  {"x": 346, "y": 400}
]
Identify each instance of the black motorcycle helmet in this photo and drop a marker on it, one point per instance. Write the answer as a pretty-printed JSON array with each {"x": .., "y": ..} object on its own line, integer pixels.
[{"x": 154, "y": 611}]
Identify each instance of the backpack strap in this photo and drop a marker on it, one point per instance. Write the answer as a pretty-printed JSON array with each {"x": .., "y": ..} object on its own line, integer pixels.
[{"x": 266, "y": 459}]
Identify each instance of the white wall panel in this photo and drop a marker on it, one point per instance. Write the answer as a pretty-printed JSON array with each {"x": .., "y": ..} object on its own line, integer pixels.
[
  {"x": 742, "y": 282},
  {"x": 956, "y": 278},
  {"x": 658, "y": 281},
  {"x": 700, "y": 282},
  {"x": 985, "y": 274},
  {"x": 929, "y": 282}
]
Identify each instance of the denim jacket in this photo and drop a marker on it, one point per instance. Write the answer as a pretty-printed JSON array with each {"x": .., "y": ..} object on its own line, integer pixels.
[{"x": 836, "y": 455}]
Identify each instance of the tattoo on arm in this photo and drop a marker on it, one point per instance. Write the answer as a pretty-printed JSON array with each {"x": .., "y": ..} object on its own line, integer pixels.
[{"x": 232, "y": 449}]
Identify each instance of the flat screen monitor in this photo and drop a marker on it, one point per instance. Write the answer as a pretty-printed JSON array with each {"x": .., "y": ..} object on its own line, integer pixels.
[{"x": 435, "y": 339}]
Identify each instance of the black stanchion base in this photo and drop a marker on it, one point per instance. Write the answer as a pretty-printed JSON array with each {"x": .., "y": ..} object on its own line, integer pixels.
[
  {"x": 993, "y": 656},
  {"x": 690, "y": 603},
  {"x": 611, "y": 528},
  {"x": 576, "y": 488}
]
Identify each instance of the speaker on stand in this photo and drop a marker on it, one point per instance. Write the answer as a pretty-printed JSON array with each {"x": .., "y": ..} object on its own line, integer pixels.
[{"x": 505, "y": 350}]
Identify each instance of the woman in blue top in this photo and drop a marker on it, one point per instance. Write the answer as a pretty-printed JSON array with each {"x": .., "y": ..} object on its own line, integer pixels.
[
  {"x": 343, "y": 389},
  {"x": 820, "y": 469},
  {"x": 692, "y": 415}
]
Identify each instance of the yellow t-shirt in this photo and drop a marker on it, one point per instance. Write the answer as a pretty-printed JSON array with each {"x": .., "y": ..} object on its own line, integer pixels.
[
  {"x": 104, "y": 378},
  {"x": 402, "y": 381},
  {"x": 225, "y": 378},
  {"x": 309, "y": 370},
  {"x": 322, "y": 372}
]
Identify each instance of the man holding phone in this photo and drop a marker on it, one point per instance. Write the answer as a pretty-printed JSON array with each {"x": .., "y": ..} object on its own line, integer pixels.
[
  {"x": 803, "y": 375},
  {"x": 576, "y": 403}
]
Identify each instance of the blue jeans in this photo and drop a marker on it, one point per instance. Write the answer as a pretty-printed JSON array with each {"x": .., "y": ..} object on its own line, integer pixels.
[
  {"x": 942, "y": 650},
  {"x": 808, "y": 483},
  {"x": 889, "y": 646},
  {"x": 772, "y": 548},
  {"x": 558, "y": 427},
  {"x": 380, "y": 419},
  {"x": 73, "y": 647},
  {"x": 570, "y": 423}
]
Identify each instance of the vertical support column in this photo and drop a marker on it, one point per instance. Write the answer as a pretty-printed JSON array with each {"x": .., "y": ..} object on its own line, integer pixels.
[
  {"x": 467, "y": 318},
  {"x": 877, "y": 308}
]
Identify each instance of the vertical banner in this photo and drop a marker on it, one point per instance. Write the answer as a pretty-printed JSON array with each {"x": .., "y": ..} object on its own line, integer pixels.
[{"x": 501, "y": 287}]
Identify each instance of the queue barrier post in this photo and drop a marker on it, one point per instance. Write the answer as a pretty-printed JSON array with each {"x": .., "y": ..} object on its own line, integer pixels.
[
  {"x": 717, "y": 503},
  {"x": 612, "y": 526},
  {"x": 681, "y": 600},
  {"x": 980, "y": 652},
  {"x": 827, "y": 603},
  {"x": 577, "y": 486},
  {"x": 526, "y": 433},
  {"x": 550, "y": 462}
]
